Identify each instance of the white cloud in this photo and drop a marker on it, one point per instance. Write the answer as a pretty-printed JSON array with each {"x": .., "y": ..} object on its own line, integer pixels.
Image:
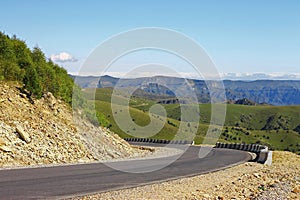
[
  {"x": 261, "y": 76},
  {"x": 63, "y": 57}
]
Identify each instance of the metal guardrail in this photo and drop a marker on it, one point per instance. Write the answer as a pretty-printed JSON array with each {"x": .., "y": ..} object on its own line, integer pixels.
[
  {"x": 150, "y": 140},
  {"x": 263, "y": 155}
]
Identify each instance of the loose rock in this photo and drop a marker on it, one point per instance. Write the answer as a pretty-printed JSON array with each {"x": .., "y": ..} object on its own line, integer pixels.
[
  {"x": 24, "y": 136},
  {"x": 50, "y": 134},
  {"x": 5, "y": 149},
  {"x": 296, "y": 189}
]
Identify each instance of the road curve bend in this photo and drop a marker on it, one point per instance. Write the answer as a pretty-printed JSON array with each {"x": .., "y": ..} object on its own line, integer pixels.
[{"x": 77, "y": 180}]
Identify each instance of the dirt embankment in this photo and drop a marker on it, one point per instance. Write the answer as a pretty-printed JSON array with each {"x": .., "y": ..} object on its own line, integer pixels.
[{"x": 44, "y": 131}]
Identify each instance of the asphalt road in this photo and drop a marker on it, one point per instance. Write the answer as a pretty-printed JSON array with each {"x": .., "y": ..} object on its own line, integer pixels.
[{"x": 76, "y": 180}]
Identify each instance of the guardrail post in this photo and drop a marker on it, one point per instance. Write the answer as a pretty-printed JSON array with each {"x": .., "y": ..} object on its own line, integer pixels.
[
  {"x": 255, "y": 148},
  {"x": 234, "y": 146},
  {"x": 241, "y": 146},
  {"x": 251, "y": 148}
]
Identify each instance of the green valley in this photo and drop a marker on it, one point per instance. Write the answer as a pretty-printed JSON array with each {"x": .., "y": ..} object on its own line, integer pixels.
[{"x": 274, "y": 126}]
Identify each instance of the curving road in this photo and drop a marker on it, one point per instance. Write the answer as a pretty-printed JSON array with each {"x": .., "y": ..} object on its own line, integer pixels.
[{"x": 76, "y": 180}]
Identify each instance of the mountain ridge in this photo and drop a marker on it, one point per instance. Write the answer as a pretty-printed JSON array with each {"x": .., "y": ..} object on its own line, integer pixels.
[{"x": 274, "y": 92}]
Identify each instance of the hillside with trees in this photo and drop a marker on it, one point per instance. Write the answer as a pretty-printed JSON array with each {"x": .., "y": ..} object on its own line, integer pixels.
[
  {"x": 31, "y": 67},
  {"x": 37, "y": 125}
]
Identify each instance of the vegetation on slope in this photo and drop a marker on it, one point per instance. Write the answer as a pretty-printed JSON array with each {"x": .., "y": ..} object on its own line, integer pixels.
[
  {"x": 274, "y": 126},
  {"x": 277, "y": 127},
  {"x": 30, "y": 67},
  {"x": 40, "y": 75}
]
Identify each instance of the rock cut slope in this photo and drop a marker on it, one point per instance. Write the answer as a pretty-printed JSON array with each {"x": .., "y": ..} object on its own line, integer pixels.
[{"x": 44, "y": 131}]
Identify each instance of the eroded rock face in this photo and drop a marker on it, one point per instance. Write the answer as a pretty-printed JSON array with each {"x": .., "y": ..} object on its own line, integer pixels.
[{"x": 45, "y": 132}]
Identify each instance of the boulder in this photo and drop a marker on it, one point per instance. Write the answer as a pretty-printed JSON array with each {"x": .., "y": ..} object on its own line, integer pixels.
[
  {"x": 5, "y": 149},
  {"x": 2, "y": 142},
  {"x": 51, "y": 100},
  {"x": 296, "y": 189},
  {"x": 23, "y": 135}
]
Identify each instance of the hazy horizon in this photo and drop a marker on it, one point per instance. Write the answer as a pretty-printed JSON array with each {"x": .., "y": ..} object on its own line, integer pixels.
[{"x": 224, "y": 76}]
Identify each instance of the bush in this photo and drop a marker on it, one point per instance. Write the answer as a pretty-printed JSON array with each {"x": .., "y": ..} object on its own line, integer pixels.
[{"x": 102, "y": 120}]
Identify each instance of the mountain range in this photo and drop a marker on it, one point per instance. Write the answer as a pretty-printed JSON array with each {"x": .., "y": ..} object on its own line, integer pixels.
[{"x": 274, "y": 92}]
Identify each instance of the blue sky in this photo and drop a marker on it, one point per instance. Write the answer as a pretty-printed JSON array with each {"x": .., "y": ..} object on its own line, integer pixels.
[{"x": 240, "y": 36}]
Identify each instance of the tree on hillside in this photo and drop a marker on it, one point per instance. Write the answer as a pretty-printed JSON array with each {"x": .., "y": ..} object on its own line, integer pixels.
[
  {"x": 31, "y": 82},
  {"x": 8, "y": 67},
  {"x": 39, "y": 75},
  {"x": 22, "y": 53},
  {"x": 40, "y": 65}
]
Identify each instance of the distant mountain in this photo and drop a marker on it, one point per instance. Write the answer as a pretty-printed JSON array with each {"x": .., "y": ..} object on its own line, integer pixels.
[
  {"x": 86, "y": 81},
  {"x": 243, "y": 101},
  {"x": 275, "y": 92},
  {"x": 154, "y": 91}
]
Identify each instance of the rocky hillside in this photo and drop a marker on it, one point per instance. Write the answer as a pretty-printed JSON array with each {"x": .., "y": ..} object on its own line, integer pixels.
[
  {"x": 44, "y": 131},
  {"x": 243, "y": 101}
]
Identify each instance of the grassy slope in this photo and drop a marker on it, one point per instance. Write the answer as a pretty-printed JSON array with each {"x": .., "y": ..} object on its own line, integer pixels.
[
  {"x": 140, "y": 118},
  {"x": 250, "y": 117},
  {"x": 242, "y": 124}
]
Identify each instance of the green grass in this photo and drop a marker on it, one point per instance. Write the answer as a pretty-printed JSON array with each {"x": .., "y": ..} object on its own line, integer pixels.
[
  {"x": 170, "y": 129},
  {"x": 104, "y": 94},
  {"x": 137, "y": 116},
  {"x": 242, "y": 123},
  {"x": 276, "y": 139},
  {"x": 250, "y": 117}
]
